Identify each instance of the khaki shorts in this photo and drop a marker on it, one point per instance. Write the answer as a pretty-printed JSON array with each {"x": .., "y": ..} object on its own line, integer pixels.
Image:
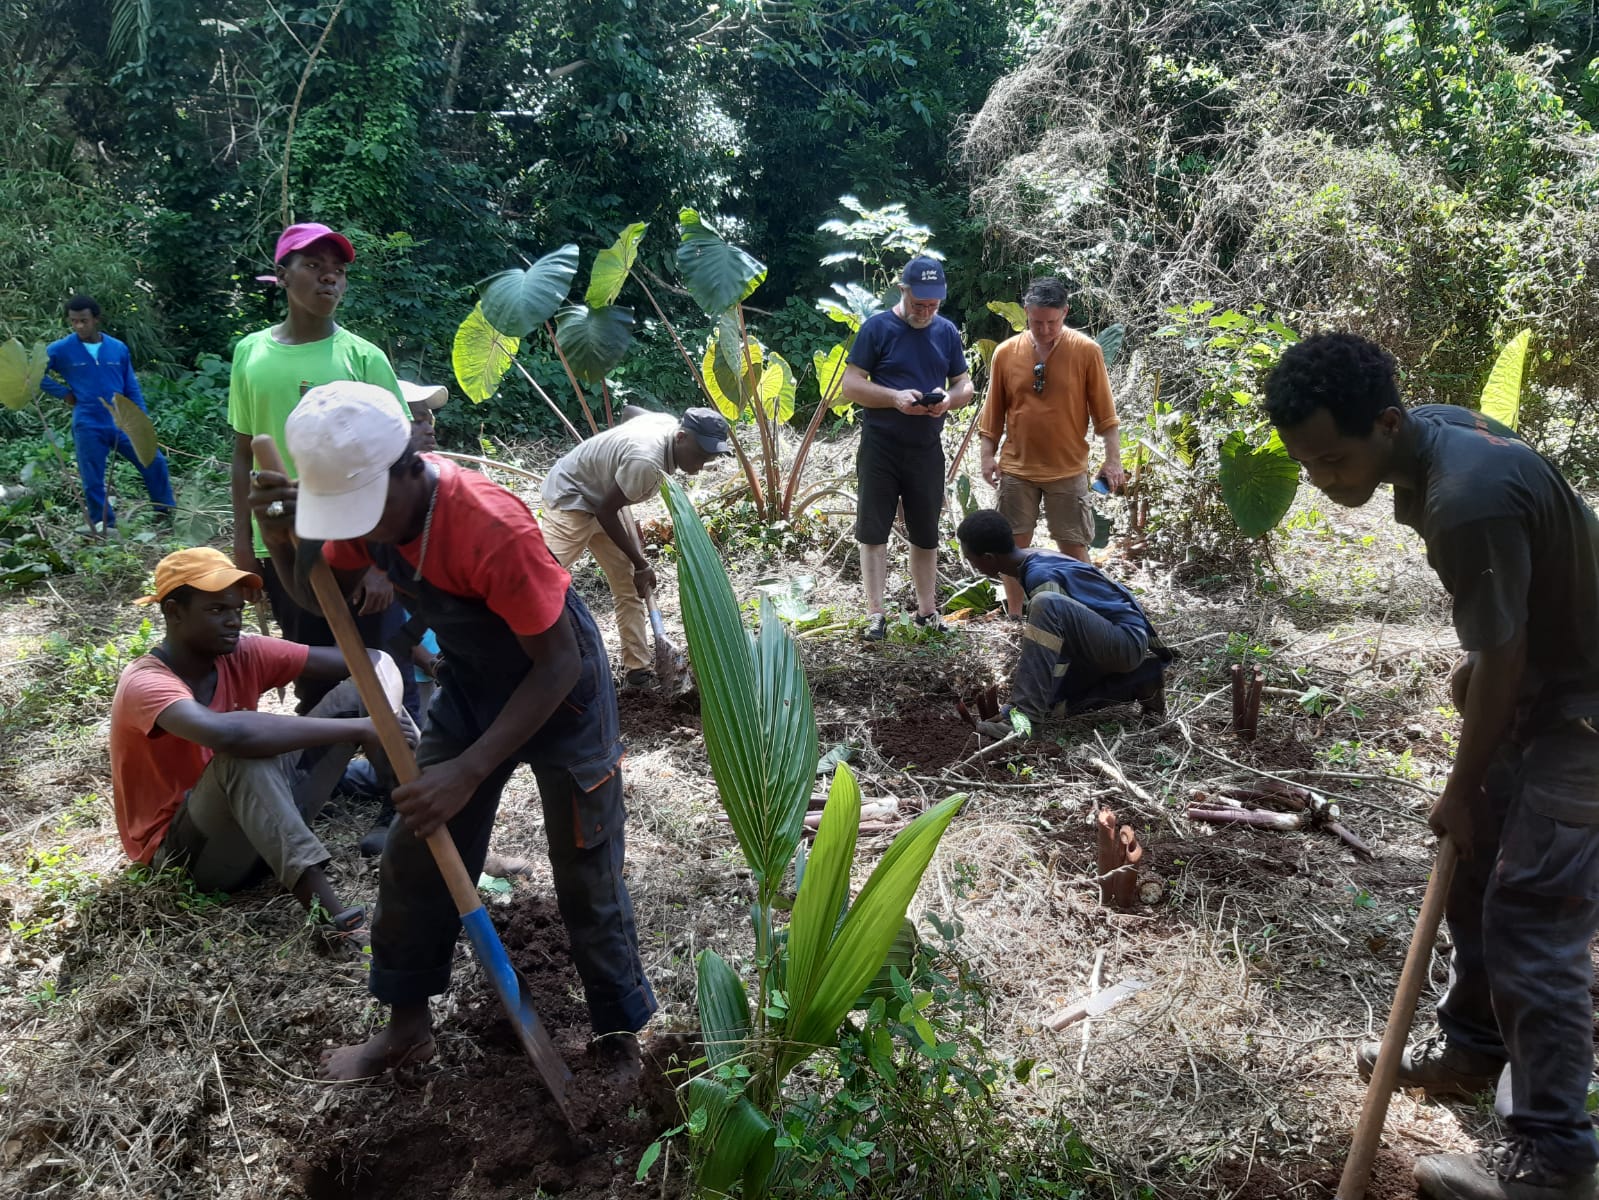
[{"x": 1067, "y": 510}]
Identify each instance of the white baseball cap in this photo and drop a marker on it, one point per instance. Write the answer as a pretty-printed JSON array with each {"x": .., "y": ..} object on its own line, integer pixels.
[
  {"x": 344, "y": 437},
  {"x": 434, "y": 395}
]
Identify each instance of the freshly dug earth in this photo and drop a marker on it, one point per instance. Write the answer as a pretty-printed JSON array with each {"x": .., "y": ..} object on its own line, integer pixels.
[
  {"x": 646, "y": 715},
  {"x": 926, "y": 740},
  {"x": 484, "y": 1125},
  {"x": 1390, "y": 1178}
]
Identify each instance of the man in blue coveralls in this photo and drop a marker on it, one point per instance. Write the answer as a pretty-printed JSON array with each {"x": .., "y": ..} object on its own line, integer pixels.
[{"x": 93, "y": 367}]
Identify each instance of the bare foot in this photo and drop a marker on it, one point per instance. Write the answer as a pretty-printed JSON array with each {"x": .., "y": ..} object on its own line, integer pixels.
[
  {"x": 379, "y": 1053},
  {"x": 619, "y": 1058},
  {"x": 504, "y": 866}
]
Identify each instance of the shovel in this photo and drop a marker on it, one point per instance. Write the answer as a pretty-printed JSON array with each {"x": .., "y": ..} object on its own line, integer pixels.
[
  {"x": 1385, "y": 1073},
  {"x": 666, "y": 672},
  {"x": 508, "y": 983}
]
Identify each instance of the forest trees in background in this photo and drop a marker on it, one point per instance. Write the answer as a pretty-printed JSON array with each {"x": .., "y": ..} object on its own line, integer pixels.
[
  {"x": 1421, "y": 172},
  {"x": 448, "y": 135}
]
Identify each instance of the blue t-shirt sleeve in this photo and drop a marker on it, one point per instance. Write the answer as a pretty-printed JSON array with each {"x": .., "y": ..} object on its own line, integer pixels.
[
  {"x": 867, "y": 350},
  {"x": 957, "y": 354}
]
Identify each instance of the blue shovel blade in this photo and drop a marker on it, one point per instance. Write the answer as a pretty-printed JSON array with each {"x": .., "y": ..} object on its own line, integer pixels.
[{"x": 514, "y": 997}]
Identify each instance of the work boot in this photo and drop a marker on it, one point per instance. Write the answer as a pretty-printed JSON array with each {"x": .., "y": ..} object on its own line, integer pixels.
[
  {"x": 876, "y": 628},
  {"x": 1437, "y": 1068},
  {"x": 639, "y": 677},
  {"x": 1512, "y": 1169}
]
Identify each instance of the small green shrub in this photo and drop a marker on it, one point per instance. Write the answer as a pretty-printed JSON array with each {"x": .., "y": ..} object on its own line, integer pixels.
[
  {"x": 907, "y": 1100},
  {"x": 75, "y": 682}
]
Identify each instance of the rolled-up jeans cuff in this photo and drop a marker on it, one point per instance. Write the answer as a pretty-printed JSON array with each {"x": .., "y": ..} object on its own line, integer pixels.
[
  {"x": 627, "y": 1013},
  {"x": 391, "y": 986}
]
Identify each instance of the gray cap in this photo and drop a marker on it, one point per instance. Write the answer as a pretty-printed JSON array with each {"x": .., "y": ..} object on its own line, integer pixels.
[{"x": 710, "y": 430}]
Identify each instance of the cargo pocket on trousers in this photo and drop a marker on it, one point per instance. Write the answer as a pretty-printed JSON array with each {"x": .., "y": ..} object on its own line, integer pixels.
[
  {"x": 1545, "y": 857},
  {"x": 596, "y": 798}
]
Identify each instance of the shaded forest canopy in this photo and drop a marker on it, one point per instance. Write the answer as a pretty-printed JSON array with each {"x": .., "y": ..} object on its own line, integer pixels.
[{"x": 1419, "y": 171}]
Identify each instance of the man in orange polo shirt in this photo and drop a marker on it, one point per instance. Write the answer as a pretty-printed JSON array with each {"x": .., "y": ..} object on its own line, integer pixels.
[
  {"x": 203, "y": 781},
  {"x": 1045, "y": 387}
]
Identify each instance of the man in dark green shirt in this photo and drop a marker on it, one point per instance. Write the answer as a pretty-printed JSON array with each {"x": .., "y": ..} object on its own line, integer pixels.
[{"x": 1518, "y": 552}]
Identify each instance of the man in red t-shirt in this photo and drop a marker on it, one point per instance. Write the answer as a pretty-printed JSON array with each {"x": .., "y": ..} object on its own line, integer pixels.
[
  {"x": 201, "y": 780},
  {"x": 524, "y": 678}
]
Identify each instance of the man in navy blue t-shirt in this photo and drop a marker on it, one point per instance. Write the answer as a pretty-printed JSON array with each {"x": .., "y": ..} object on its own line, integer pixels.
[{"x": 906, "y": 370}]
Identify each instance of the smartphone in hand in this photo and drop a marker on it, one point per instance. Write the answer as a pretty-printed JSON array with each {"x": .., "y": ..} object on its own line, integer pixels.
[{"x": 936, "y": 396}]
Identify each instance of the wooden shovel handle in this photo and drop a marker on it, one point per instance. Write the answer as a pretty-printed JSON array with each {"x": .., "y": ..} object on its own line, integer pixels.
[
  {"x": 1363, "y": 1147},
  {"x": 336, "y": 611}
]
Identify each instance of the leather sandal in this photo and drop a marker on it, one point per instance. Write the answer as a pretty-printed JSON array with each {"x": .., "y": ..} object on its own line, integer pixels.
[{"x": 342, "y": 932}]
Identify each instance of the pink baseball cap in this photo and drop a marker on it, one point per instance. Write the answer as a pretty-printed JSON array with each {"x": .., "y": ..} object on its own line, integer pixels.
[{"x": 298, "y": 237}]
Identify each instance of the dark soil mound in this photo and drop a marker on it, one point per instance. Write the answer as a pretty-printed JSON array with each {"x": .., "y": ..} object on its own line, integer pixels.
[
  {"x": 486, "y": 1127},
  {"x": 925, "y": 740},
  {"x": 647, "y": 715},
  {"x": 1266, "y": 1180}
]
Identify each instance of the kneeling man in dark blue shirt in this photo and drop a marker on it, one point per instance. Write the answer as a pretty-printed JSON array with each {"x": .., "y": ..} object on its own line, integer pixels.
[{"x": 1087, "y": 643}]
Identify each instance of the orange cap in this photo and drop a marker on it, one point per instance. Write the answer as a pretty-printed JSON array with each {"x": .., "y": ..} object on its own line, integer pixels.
[{"x": 203, "y": 568}]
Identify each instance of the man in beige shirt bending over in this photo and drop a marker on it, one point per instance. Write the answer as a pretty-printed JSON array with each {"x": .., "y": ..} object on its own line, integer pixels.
[
  {"x": 1044, "y": 388},
  {"x": 584, "y": 495}
]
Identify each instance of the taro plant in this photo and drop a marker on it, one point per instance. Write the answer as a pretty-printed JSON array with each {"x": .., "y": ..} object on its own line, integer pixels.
[
  {"x": 1220, "y": 433},
  {"x": 1501, "y": 395},
  {"x": 760, "y": 737},
  {"x": 589, "y": 337}
]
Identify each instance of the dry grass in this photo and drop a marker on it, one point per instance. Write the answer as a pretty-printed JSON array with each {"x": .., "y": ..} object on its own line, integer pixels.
[{"x": 174, "y": 1056}]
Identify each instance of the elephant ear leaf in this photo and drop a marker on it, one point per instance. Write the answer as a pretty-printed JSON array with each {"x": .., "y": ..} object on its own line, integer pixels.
[
  {"x": 135, "y": 422},
  {"x": 1110, "y": 341},
  {"x": 1014, "y": 316},
  {"x": 518, "y": 301},
  {"x": 20, "y": 373},
  {"x": 481, "y": 356},
  {"x": 1501, "y": 396},
  {"x": 611, "y": 267},
  {"x": 594, "y": 339},
  {"x": 717, "y": 273},
  {"x": 1258, "y": 483}
]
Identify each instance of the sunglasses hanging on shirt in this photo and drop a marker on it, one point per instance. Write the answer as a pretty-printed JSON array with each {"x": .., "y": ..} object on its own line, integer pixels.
[{"x": 1038, "y": 377}]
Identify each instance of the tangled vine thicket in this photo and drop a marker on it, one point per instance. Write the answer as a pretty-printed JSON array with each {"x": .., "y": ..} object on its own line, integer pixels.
[{"x": 1294, "y": 155}]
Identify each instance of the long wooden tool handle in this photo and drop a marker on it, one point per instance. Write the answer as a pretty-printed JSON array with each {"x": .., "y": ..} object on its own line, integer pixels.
[
  {"x": 1363, "y": 1148},
  {"x": 336, "y": 611}
]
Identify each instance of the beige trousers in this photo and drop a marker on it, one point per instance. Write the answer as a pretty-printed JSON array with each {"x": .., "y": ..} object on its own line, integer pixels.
[{"x": 568, "y": 534}]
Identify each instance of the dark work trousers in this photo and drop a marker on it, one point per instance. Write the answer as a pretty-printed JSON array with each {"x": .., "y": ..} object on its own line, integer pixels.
[
  {"x": 1067, "y": 649},
  {"x": 1521, "y": 914},
  {"x": 308, "y": 627},
  {"x": 575, "y": 758}
]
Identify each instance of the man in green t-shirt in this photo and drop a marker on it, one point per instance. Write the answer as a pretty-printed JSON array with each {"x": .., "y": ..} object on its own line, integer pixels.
[{"x": 272, "y": 369}]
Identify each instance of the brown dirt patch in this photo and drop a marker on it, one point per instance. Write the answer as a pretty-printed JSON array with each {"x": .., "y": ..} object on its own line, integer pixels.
[
  {"x": 648, "y": 715},
  {"x": 1262, "y": 1180},
  {"x": 926, "y": 740},
  {"x": 486, "y": 1127}
]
